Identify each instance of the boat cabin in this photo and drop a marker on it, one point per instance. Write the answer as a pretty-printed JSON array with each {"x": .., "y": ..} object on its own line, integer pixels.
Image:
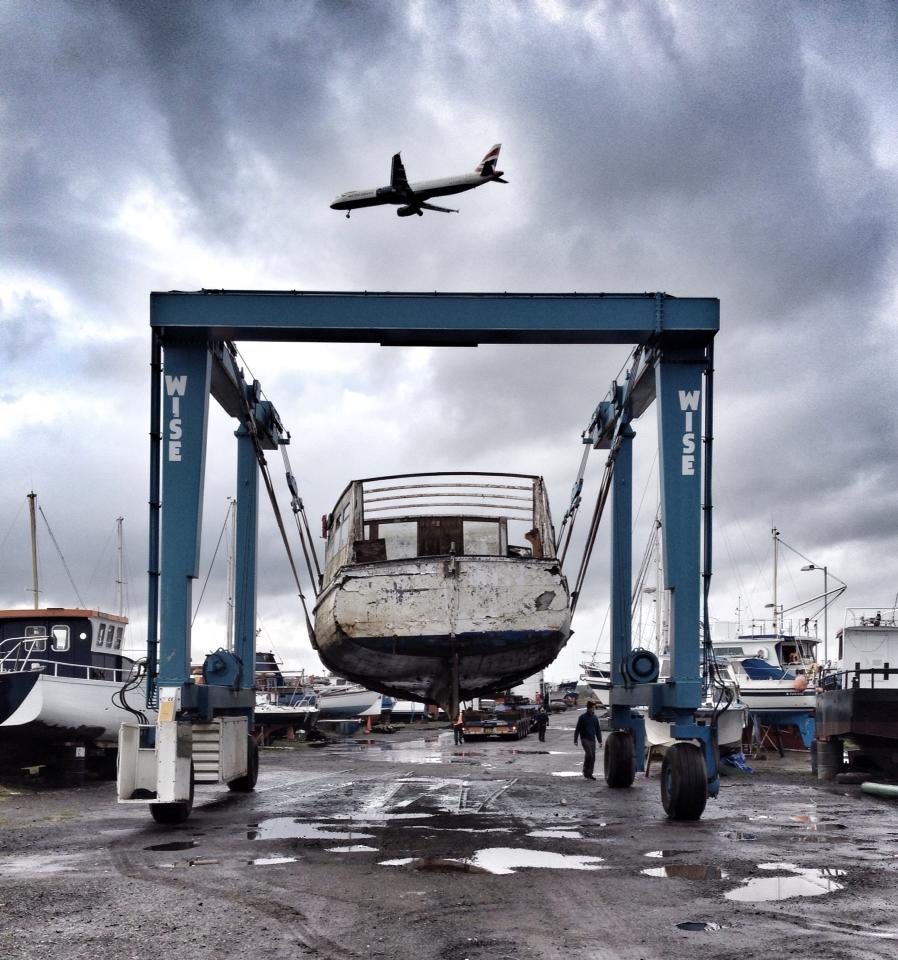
[
  {"x": 407, "y": 516},
  {"x": 74, "y": 643}
]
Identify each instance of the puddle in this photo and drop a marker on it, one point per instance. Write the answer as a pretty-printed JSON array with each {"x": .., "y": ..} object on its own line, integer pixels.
[
  {"x": 700, "y": 925},
  {"x": 505, "y": 860},
  {"x": 687, "y": 871},
  {"x": 739, "y": 835},
  {"x": 268, "y": 861},
  {"x": 288, "y": 828},
  {"x": 353, "y": 848},
  {"x": 797, "y": 882},
  {"x": 658, "y": 854},
  {"x": 563, "y": 834},
  {"x": 173, "y": 845},
  {"x": 568, "y": 773}
]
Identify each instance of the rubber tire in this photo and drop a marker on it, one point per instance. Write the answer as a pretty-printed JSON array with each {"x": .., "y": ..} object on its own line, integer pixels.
[
  {"x": 684, "y": 781},
  {"x": 247, "y": 784},
  {"x": 619, "y": 759},
  {"x": 168, "y": 813}
]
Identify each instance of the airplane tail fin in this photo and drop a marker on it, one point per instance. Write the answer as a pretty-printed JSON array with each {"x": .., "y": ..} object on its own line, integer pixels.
[{"x": 487, "y": 166}]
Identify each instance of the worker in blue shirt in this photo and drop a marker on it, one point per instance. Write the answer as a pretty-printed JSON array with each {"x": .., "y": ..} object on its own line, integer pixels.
[{"x": 589, "y": 733}]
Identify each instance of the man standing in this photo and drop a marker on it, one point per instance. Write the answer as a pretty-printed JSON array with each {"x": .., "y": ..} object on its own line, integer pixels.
[
  {"x": 589, "y": 733},
  {"x": 542, "y": 721},
  {"x": 458, "y": 727}
]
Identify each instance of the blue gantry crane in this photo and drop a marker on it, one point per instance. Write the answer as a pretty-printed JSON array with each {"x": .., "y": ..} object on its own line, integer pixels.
[{"x": 203, "y": 730}]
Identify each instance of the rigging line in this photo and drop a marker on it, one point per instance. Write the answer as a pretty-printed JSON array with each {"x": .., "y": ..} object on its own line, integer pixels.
[
  {"x": 574, "y": 507},
  {"x": 65, "y": 566},
  {"x": 601, "y": 500},
  {"x": 299, "y": 513},
  {"x": 272, "y": 496},
  {"x": 211, "y": 565},
  {"x": 14, "y": 522}
]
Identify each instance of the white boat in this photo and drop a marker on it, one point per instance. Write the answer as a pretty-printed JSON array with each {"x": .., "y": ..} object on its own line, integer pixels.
[
  {"x": 62, "y": 674},
  {"x": 596, "y": 675},
  {"x": 341, "y": 699},
  {"x": 775, "y": 671},
  {"x": 722, "y": 705},
  {"x": 441, "y": 587}
]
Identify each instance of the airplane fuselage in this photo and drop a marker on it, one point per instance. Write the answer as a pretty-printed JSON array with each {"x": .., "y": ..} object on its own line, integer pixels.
[{"x": 422, "y": 190}]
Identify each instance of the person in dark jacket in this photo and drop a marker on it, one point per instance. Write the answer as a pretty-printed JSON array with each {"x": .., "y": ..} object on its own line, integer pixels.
[
  {"x": 541, "y": 719},
  {"x": 589, "y": 733}
]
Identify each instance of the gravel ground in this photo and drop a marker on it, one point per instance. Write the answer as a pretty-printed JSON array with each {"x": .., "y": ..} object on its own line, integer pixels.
[{"x": 404, "y": 846}]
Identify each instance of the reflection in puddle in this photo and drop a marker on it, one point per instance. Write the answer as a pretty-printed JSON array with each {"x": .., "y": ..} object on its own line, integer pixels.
[
  {"x": 268, "y": 861},
  {"x": 567, "y": 773},
  {"x": 557, "y": 832},
  {"x": 353, "y": 848},
  {"x": 288, "y": 828},
  {"x": 173, "y": 845},
  {"x": 687, "y": 871},
  {"x": 704, "y": 925},
  {"x": 505, "y": 860},
  {"x": 740, "y": 835},
  {"x": 659, "y": 854},
  {"x": 799, "y": 882}
]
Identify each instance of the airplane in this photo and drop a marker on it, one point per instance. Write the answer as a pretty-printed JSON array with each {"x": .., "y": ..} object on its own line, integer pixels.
[{"x": 413, "y": 197}]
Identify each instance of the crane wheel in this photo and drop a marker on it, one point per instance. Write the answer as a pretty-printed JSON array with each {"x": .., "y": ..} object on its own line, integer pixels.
[
  {"x": 168, "y": 813},
  {"x": 247, "y": 783},
  {"x": 620, "y": 759},
  {"x": 684, "y": 781}
]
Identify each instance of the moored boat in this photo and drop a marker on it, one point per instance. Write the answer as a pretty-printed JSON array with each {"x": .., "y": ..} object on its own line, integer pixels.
[
  {"x": 441, "y": 587},
  {"x": 62, "y": 674}
]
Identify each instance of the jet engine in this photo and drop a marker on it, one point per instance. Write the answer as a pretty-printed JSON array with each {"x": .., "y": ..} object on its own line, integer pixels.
[{"x": 408, "y": 211}]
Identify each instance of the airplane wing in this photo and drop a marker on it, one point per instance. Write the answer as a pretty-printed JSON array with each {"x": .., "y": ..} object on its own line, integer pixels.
[
  {"x": 433, "y": 206},
  {"x": 398, "y": 179}
]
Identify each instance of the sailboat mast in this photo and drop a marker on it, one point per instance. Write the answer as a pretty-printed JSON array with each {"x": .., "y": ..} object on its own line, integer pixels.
[
  {"x": 777, "y": 627},
  {"x": 119, "y": 567},
  {"x": 34, "y": 584}
]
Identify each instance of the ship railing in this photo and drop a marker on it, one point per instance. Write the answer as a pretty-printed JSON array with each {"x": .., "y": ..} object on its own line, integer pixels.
[
  {"x": 859, "y": 679},
  {"x": 504, "y": 495},
  {"x": 68, "y": 671},
  {"x": 871, "y": 617},
  {"x": 17, "y": 653}
]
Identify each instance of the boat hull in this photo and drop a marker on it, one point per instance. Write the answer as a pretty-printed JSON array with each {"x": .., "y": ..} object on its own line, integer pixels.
[
  {"x": 730, "y": 724},
  {"x": 400, "y": 627},
  {"x": 39, "y": 712}
]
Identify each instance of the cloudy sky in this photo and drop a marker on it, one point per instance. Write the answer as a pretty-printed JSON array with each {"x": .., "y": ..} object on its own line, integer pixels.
[{"x": 746, "y": 151}]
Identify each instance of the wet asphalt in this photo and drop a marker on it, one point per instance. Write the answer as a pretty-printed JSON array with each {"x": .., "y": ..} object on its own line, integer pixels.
[{"x": 406, "y": 846}]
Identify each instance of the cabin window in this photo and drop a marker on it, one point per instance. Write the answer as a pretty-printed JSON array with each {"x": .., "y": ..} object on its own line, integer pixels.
[
  {"x": 438, "y": 536},
  {"x": 400, "y": 539},
  {"x": 481, "y": 538},
  {"x": 60, "y": 637},
  {"x": 110, "y": 635},
  {"x": 37, "y": 639},
  {"x": 101, "y": 635},
  {"x": 118, "y": 638},
  {"x": 721, "y": 651}
]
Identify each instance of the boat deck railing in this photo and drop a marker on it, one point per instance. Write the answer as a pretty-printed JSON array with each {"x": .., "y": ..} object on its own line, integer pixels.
[
  {"x": 871, "y": 617},
  {"x": 861, "y": 679},
  {"x": 499, "y": 495},
  {"x": 21, "y": 657}
]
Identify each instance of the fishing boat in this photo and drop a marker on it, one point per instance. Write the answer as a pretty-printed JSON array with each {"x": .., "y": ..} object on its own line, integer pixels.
[
  {"x": 441, "y": 587},
  {"x": 64, "y": 678}
]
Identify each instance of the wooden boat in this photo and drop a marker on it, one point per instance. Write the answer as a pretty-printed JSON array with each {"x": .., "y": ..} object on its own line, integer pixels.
[{"x": 441, "y": 586}]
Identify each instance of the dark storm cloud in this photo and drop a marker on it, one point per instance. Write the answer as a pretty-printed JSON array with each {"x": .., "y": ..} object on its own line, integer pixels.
[{"x": 732, "y": 150}]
